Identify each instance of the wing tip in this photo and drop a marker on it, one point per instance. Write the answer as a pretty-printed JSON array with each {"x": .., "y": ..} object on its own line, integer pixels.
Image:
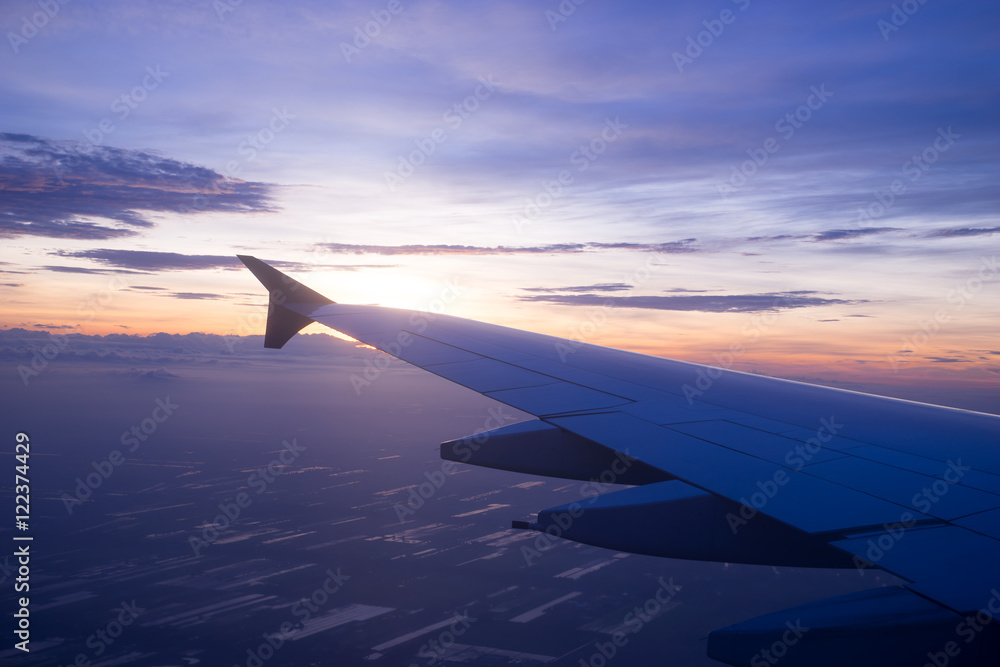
[{"x": 283, "y": 322}]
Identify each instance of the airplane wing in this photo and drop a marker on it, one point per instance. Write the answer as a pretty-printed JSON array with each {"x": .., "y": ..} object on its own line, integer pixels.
[{"x": 732, "y": 467}]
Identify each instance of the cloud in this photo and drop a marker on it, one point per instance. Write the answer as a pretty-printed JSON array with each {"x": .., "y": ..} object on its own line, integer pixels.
[
  {"x": 600, "y": 287},
  {"x": 963, "y": 231},
  {"x": 684, "y": 245},
  {"x": 724, "y": 303},
  {"x": 352, "y": 249},
  {"x": 149, "y": 260},
  {"x": 51, "y": 188},
  {"x": 778, "y": 237},
  {"x": 147, "y": 374},
  {"x": 947, "y": 360},
  {"x": 194, "y": 295},
  {"x": 688, "y": 245},
  {"x": 12, "y": 224},
  {"x": 841, "y": 234},
  {"x": 20, "y": 346},
  {"x": 551, "y": 249},
  {"x": 82, "y": 269}
]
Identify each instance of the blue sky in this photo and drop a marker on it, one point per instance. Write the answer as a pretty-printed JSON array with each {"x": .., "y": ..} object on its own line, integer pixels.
[{"x": 710, "y": 157}]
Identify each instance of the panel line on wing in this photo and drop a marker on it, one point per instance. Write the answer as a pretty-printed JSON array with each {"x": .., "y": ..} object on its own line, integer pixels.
[
  {"x": 738, "y": 475},
  {"x": 453, "y": 370}
]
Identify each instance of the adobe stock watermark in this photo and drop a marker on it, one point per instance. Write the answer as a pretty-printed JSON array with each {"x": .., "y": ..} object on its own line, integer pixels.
[
  {"x": 418, "y": 323},
  {"x": 967, "y": 630},
  {"x": 131, "y": 439},
  {"x": 123, "y": 105},
  {"x": 365, "y": 33},
  {"x": 7, "y": 569},
  {"x": 786, "y": 126},
  {"x": 42, "y": 356},
  {"x": 303, "y": 610},
  {"x": 230, "y": 511},
  {"x": 256, "y": 142},
  {"x": 101, "y": 639},
  {"x": 778, "y": 649},
  {"x": 912, "y": 169},
  {"x": 751, "y": 331},
  {"x": 247, "y": 150},
  {"x": 562, "y": 12},
  {"x": 635, "y": 620},
  {"x": 598, "y": 317},
  {"x": 223, "y": 7},
  {"x": 581, "y": 158},
  {"x": 453, "y": 117},
  {"x": 437, "y": 648},
  {"x": 959, "y": 296},
  {"x": 561, "y": 522},
  {"x": 30, "y": 25},
  {"x": 419, "y": 494},
  {"x": 924, "y": 501},
  {"x": 598, "y": 486},
  {"x": 698, "y": 43},
  {"x": 797, "y": 456},
  {"x": 899, "y": 16}
]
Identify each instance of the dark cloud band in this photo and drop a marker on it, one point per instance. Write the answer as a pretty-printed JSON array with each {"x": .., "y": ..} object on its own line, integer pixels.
[
  {"x": 724, "y": 303},
  {"x": 54, "y": 188},
  {"x": 685, "y": 245}
]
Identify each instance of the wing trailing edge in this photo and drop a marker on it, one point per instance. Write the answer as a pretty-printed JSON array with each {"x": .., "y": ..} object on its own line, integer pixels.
[{"x": 875, "y": 627}]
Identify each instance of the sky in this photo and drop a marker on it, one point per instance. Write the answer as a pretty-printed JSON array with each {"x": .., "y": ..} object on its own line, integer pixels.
[
  {"x": 813, "y": 185},
  {"x": 210, "y": 412},
  {"x": 816, "y": 182}
]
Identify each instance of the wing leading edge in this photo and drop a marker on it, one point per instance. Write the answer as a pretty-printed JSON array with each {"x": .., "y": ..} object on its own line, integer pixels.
[{"x": 731, "y": 467}]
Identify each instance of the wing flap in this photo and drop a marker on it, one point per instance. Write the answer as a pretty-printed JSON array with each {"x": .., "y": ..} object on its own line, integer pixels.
[
  {"x": 987, "y": 523},
  {"x": 976, "y": 479},
  {"x": 539, "y": 448},
  {"x": 876, "y": 627},
  {"x": 964, "y": 576},
  {"x": 768, "y": 446},
  {"x": 934, "y": 496},
  {"x": 792, "y": 497},
  {"x": 672, "y": 519}
]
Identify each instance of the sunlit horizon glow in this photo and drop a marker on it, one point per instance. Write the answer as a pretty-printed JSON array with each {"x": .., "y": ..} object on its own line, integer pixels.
[{"x": 812, "y": 187}]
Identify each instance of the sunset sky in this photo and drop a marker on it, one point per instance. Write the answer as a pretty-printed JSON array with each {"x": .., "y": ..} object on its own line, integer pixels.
[{"x": 815, "y": 182}]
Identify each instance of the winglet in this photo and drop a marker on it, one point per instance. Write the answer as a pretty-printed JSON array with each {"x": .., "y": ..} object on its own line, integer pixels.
[{"x": 282, "y": 321}]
